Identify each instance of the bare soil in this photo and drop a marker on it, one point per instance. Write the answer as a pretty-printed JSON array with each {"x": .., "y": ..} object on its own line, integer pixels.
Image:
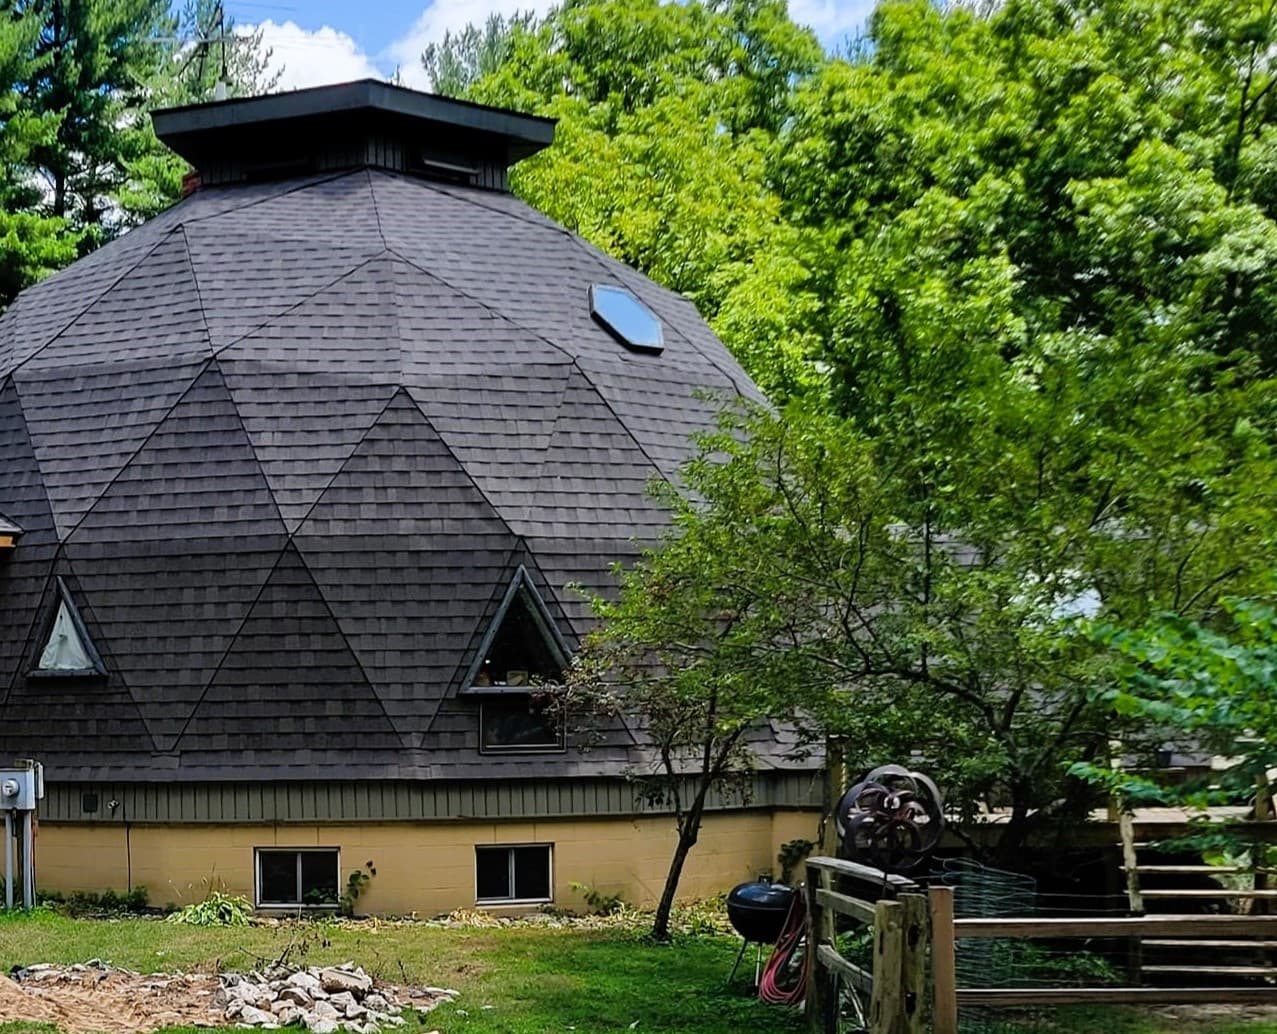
[{"x": 84, "y": 1000}]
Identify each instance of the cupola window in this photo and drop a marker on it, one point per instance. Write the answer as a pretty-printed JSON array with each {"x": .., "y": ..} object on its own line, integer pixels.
[
  {"x": 68, "y": 649},
  {"x": 627, "y": 319}
]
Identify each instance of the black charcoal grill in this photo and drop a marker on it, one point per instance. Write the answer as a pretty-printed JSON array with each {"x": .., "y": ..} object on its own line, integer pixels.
[{"x": 757, "y": 912}]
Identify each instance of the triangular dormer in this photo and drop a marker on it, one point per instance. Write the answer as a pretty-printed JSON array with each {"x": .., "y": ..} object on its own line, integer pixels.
[
  {"x": 522, "y": 645},
  {"x": 68, "y": 649}
]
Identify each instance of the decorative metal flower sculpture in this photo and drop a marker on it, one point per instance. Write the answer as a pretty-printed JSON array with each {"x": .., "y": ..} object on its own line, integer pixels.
[{"x": 891, "y": 819}]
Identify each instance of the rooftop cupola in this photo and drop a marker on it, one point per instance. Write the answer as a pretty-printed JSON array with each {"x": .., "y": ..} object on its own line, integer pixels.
[{"x": 364, "y": 123}]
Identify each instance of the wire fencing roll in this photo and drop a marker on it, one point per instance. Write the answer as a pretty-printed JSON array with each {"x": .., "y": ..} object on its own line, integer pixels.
[{"x": 986, "y": 893}]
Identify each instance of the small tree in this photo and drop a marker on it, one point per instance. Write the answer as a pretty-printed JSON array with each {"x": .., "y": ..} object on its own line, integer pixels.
[{"x": 696, "y": 651}]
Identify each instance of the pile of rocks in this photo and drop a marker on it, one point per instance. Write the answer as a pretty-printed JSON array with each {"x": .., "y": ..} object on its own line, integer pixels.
[{"x": 323, "y": 1000}]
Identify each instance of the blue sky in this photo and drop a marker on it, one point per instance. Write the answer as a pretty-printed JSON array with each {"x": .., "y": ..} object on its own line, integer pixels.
[{"x": 322, "y": 41}]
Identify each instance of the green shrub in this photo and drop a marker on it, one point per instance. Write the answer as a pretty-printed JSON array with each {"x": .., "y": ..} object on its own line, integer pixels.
[
  {"x": 97, "y": 903},
  {"x": 217, "y": 909}
]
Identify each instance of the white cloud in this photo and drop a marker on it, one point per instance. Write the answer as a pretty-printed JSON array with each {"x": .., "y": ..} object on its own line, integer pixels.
[
  {"x": 832, "y": 20},
  {"x": 313, "y": 57},
  {"x": 440, "y": 17}
]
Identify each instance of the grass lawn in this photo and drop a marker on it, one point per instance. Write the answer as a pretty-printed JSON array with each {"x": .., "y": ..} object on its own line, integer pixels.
[{"x": 516, "y": 980}]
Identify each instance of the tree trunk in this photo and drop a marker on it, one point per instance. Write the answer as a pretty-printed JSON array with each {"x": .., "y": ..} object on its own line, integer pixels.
[{"x": 689, "y": 831}]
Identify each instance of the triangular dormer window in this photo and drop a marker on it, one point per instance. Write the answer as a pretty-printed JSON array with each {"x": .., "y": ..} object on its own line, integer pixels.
[
  {"x": 68, "y": 649},
  {"x": 522, "y": 646}
]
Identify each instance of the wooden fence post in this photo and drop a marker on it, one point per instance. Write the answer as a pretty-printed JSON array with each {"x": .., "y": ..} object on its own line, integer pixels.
[
  {"x": 886, "y": 1002},
  {"x": 913, "y": 965},
  {"x": 817, "y": 978},
  {"x": 944, "y": 976}
]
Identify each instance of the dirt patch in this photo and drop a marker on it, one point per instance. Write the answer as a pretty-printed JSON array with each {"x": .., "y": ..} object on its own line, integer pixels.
[{"x": 85, "y": 999}]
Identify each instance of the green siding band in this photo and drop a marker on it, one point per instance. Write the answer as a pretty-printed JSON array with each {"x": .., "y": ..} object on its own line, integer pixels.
[{"x": 164, "y": 803}]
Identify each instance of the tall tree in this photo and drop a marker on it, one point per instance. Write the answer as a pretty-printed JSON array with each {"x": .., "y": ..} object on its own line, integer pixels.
[
  {"x": 1036, "y": 287},
  {"x": 208, "y": 58},
  {"x": 94, "y": 59},
  {"x": 462, "y": 58},
  {"x": 31, "y": 243}
]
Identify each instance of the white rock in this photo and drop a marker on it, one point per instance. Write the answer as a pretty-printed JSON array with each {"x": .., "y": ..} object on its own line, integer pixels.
[
  {"x": 325, "y": 1011},
  {"x": 321, "y": 1025},
  {"x": 233, "y": 1007},
  {"x": 336, "y": 980},
  {"x": 376, "y": 1001},
  {"x": 255, "y": 1016},
  {"x": 305, "y": 980},
  {"x": 296, "y": 996},
  {"x": 393, "y": 1021},
  {"x": 355, "y": 1011},
  {"x": 287, "y": 1014},
  {"x": 341, "y": 1001}
]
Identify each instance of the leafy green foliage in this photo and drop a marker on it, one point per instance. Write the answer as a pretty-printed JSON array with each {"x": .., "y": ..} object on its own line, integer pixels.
[
  {"x": 94, "y": 903},
  {"x": 218, "y": 909},
  {"x": 357, "y": 884},
  {"x": 1208, "y": 684}
]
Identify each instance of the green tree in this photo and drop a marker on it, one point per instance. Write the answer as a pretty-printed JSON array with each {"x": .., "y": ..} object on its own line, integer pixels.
[
  {"x": 93, "y": 61},
  {"x": 667, "y": 113},
  {"x": 462, "y": 58},
  {"x": 940, "y": 607},
  {"x": 1208, "y": 684},
  {"x": 32, "y": 244},
  {"x": 207, "y": 58}
]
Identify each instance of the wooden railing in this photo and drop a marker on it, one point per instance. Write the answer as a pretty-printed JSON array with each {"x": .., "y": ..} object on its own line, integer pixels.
[
  {"x": 911, "y": 926},
  {"x": 1187, "y": 928},
  {"x": 895, "y": 909}
]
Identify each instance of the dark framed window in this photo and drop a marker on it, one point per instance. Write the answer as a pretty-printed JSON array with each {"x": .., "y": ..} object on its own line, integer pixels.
[
  {"x": 518, "y": 724},
  {"x": 298, "y": 878},
  {"x": 513, "y": 873}
]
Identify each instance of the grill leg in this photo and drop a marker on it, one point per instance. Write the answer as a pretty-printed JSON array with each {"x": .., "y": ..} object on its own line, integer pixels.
[{"x": 739, "y": 955}]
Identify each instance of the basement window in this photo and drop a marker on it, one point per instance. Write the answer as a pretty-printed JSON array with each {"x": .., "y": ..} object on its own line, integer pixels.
[
  {"x": 306, "y": 878},
  {"x": 514, "y": 874},
  {"x": 621, "y": 314},
  {"x": 519, "y": 725}
]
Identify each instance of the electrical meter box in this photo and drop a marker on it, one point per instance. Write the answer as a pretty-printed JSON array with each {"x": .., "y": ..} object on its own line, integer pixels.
[{"x": 22, "y": 786}]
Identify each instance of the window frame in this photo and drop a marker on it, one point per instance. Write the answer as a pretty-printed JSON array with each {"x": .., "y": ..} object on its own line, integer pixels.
[
  {"x": 298, "y": 852},
  {"x": 560, "y": 747},
  {"x": 510, "y": 849}
]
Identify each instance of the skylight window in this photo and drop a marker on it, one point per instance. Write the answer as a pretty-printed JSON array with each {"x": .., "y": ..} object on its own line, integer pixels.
[{"x": 626, "y": 318}]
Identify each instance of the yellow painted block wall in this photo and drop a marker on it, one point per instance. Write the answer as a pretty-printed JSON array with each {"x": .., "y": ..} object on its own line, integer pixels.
[{"x": 423, "y": 867}]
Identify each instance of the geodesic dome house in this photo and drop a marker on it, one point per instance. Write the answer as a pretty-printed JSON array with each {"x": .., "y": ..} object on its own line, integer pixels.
[{"x": 298, "y": 477}]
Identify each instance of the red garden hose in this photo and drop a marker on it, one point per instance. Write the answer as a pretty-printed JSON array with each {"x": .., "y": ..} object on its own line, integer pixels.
[{"x": 778, "y": 985}]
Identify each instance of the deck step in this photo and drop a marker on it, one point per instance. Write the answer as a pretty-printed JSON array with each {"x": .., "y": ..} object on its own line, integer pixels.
[
  {"x": 1223, "y": 892},
  {"x": 1215, "y": 971},
  {"x": 1240, "y": 945},
  {"x": 1196, "y": 870}
]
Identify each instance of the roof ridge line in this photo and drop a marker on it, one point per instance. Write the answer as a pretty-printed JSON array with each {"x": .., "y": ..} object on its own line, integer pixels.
[
  {"x": 341, "y": 469},
  {"x": 217, "y": 352},
  {"x": 345, "y": 641},
  {"x": 617, "y": 417},
  {"x": 128, "y": 271},
  {"x": 203, "y": 367},
  {"x": 309, "y": 182},
  {"x": 483, "y": 305},
  {"x": 230, "y": 645}
]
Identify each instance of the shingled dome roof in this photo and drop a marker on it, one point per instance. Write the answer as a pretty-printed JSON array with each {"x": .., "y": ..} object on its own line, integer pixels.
[{"x": 287, "y": 447}]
